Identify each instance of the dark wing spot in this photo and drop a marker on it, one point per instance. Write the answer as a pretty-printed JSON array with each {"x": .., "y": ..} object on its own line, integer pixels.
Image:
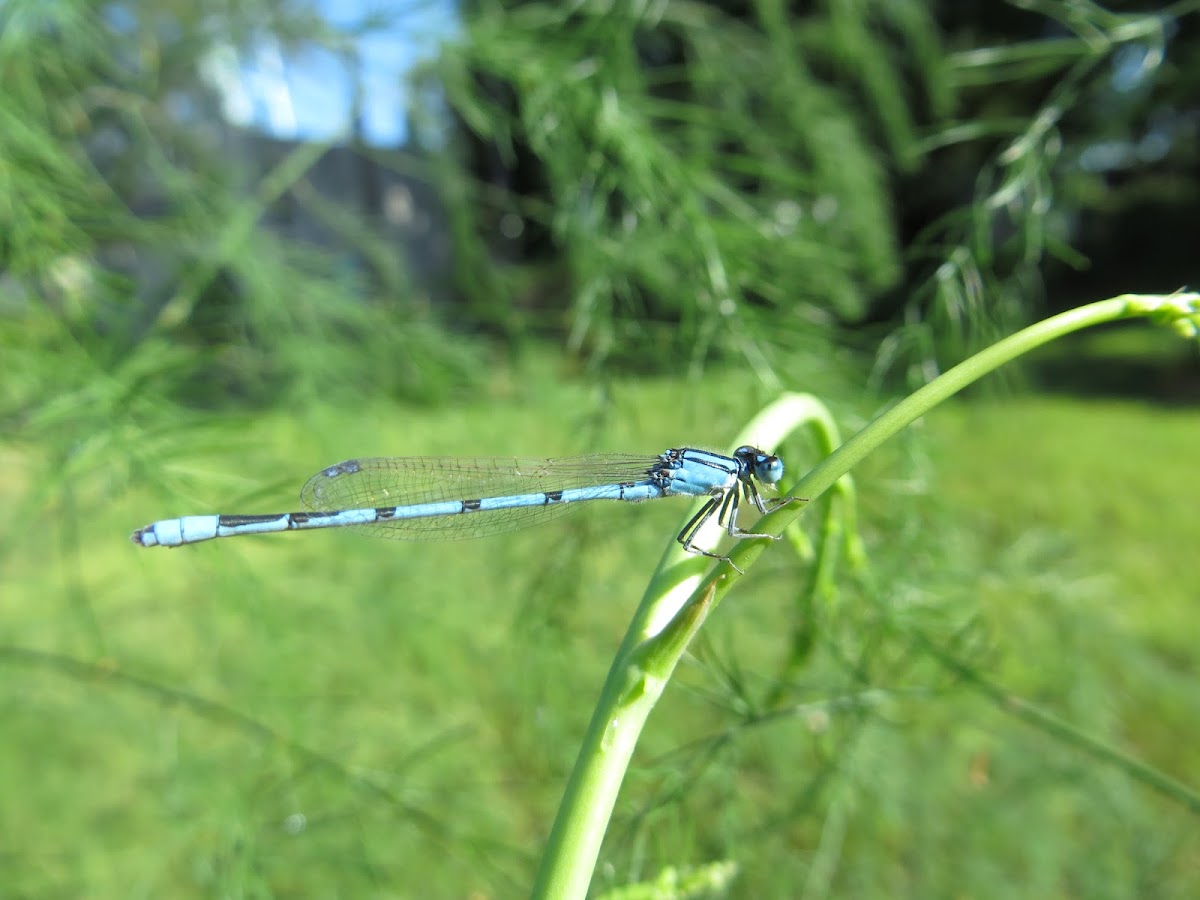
[{"x": 349, "y": 467}]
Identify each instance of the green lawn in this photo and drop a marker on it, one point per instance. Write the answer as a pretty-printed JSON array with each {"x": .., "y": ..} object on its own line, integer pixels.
[
  {"x": 328, "y": 715},
  {"x": 1106, "y": 495},
  {"x": 1117, "y": 481}
]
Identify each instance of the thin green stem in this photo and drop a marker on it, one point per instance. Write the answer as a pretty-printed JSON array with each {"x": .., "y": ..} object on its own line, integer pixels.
[
  {"x": 1178, "y": 310},
  {"x": 682, "y": 592},
  {"x": 1064, "y": 731}
]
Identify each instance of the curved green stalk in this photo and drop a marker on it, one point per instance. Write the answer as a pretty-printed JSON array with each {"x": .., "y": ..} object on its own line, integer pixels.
[{"x": 686, "y": 588}]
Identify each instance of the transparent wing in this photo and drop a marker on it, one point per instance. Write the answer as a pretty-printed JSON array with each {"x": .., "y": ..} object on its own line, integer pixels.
[{"x": 411, "y": 480}]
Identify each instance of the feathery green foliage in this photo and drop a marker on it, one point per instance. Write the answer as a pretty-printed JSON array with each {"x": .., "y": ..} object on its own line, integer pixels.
[
  {"x": 134, "y": 235},
  {"x": 712, "y": 191},
  {"x": 689, "y": 179}
]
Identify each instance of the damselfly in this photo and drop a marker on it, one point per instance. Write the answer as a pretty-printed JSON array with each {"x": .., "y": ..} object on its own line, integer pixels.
[{"x": 434, "y": 498}]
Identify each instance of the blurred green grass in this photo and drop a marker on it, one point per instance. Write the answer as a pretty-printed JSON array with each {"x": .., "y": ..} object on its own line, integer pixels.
[
  {"x": 1106, "y": 490},
  {"x": 1116, "y": 480},
  {"x": 325, "y": 714}
]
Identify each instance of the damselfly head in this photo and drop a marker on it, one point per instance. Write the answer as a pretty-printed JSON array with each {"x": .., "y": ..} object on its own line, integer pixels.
[{"x": 766, "y": 468}]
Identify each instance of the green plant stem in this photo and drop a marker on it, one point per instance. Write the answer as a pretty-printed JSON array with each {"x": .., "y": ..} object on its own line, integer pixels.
[
  {"x": 1064, "y": 731},
  {"x": 634, "y": 685},
  {"x": 681, "y": 595},
  {"x": 917, "y": 404},
  {"x": 683, "y": 591}
]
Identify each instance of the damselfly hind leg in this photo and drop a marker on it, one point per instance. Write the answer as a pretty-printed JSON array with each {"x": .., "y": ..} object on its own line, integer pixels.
[
  {"x": 724, "y": 507},
  {"x": 695, "y": 523}
]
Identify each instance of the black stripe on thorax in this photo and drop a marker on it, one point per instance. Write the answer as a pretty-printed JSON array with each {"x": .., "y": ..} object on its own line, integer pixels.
[{"x": 712, "y": 464}]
